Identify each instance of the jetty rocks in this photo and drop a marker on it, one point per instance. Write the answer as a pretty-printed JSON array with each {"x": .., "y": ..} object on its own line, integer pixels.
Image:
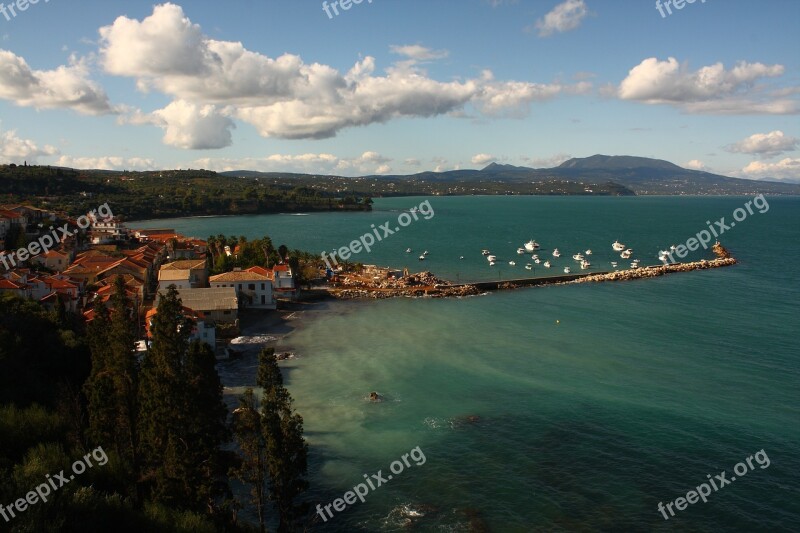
[{"x": 654, "y": 271}]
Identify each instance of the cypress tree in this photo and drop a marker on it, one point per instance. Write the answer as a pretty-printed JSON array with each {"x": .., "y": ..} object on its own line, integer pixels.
[
  {"x": 249, "y": 435},
  {"x": 287, "y": 451}
]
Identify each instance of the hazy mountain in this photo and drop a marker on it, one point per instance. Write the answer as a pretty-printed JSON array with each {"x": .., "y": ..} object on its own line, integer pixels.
[{"x": 641, "y": 175}]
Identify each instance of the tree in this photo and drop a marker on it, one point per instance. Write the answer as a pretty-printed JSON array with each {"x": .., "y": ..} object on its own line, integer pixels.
[
  {"x": 249, "y": 435},
  {"x": 287, "y": 451},
  {"x": 182, "y": 415}
]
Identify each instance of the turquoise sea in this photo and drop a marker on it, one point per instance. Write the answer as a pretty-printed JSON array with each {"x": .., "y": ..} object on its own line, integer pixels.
[{"x": 561, "y": 408}]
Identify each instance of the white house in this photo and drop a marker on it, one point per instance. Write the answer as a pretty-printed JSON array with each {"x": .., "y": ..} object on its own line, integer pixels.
[{"x": 253, "y": 287}]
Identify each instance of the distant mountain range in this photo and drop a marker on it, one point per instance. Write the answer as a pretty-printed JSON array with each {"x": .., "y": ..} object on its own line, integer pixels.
[{"x": 639, "y": 175}]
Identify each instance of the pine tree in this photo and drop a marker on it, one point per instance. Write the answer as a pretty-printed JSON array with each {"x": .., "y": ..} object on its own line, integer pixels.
[{"x": 287, "y": 451}]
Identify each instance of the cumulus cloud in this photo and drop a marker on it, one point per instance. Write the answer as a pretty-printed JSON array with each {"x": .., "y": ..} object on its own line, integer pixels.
[
  {"x": 773, "y": 143},
  {"x": 565, "y": 16},
  {"x": 14, "y": 149},
  {"x": 106, "y": 163},
  {"x": 285, "y": 97},
  {"x": 695, "y": 164},
  {"x": 711, "y": 89},
  {"x": 66, "y": 87},
  {"x": 483, "y": 159},
  {"x": 785, "y": 169}
]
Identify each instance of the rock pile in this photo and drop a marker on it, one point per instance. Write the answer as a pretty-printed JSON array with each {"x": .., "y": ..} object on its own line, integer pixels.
[{"x": 654, "y": 271}]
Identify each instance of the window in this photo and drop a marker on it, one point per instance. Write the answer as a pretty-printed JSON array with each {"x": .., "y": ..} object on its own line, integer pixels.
[
  {"x": 226, "y": 312},
  {"x": 263, "y": 286},
  {"x": 252, "y": 286}
]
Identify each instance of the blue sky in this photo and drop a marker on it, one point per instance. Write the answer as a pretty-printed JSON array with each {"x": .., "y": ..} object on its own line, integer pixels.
[{"x": 395, "y": 87}]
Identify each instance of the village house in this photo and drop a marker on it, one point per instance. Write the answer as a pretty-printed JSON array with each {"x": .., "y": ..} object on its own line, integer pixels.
[
  {"x": 218, "y": 304},
  {"x": 202, "y": 330},
  {"x": 184, "y": 274},
  {"x": 254, "y": 288},
  {"x": 284, "y": 282}
]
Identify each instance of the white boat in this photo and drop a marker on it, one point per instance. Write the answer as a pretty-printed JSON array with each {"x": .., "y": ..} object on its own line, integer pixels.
[
  {"x": 614, "y": 264},
  {"x": 422, "y": 258},
  {"x": 408, "y": 250},
  {"x": 637, "y": 261},
  {"x": 566, "y": 270},
  {"x": 512, "y": 263},
  {"x": 462, "y": 257},
  {"x": 534, "y": 256},
  {"x": 537, "y": 261},
  {"x": 520, "y": 250},
  {"x": 556, "y": 253},
  {"x": 626, "y": 254},
  {"x": 491, "y": 258},
  {"x": 531, "y": 245},
  {"x": 588, "y": 252},
  {"x": 585, "y": 264},
  {"x": 663, "y": 255},
  {"x": 491, "y": 263},
  {"x": 485, "y": 252},
  {"x": 425, "y": 252},
  {"x": 634, "y": 266},
  {"x": 547, "y": 264},
  {"x": 528, "y": 266},
  {"x": 618, "y": 246},
  {"x": 578, "y": 257},
  {"x": 673, "y": 248}
]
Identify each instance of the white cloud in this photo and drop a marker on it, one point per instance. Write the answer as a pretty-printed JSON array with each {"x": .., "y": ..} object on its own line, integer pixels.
[
  {"x": 66, "y": 87},
  {"x": 565, "y": 16},
  {"x": 106, "y": 163},
  {"x": 15, "y": 150},
  {"x": 285, "y": 97},
  {"x": 769, "y": 144},
  {"x": 418, "y": 52},
  {"x": 547, "y": 162},
  {"x": 695, "y": 164},
  {"x": 711, "y": 89},
  {"x": 196, "y": 127},
  {"x": 483, "y": 159},
  {"x": 367, "y": 163},
  {"x": 785, "y": 169}
]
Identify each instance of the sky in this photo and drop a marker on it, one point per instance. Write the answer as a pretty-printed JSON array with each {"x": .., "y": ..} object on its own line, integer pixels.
[{"x": 400, "y": 86}]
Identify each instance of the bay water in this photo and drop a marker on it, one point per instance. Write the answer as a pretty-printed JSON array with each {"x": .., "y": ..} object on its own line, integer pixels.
[{"x": 559, "y": 408}]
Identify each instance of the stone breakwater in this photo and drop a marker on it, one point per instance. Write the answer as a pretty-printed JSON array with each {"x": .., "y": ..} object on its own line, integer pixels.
[
  {"x": 411, "y": 292},
  {"x": 653, "y": 271}
]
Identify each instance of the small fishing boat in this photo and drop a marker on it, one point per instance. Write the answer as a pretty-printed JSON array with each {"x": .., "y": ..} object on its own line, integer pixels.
[
  {"x": 534, "y": 256},
  {"x": 618, "y": 246},
  {"x": 528, "y": 266},
  {"x": 491, "y": 258},
  {"x": 566, "y": 270},
  {"x": 422, "y": 258},
  {"x": 408, "y": 250},
  {"x": 512, "y": 263},
  {"x": 626, "y": 254},
  {"x": 614, "y": 264},
  {"x": 556, "y": 253},
  {"x": 491, "y": 263},
  {"x": 485, "y": 252},
  {"x": 588, "y": 252},
  {"x": 537, "y": 261},
  {"x": 578, "y": 257},
  {"x": 425, "y": 252},
  {"x": 521, "y": 251},
  {"x": 547, "y": 264}
]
